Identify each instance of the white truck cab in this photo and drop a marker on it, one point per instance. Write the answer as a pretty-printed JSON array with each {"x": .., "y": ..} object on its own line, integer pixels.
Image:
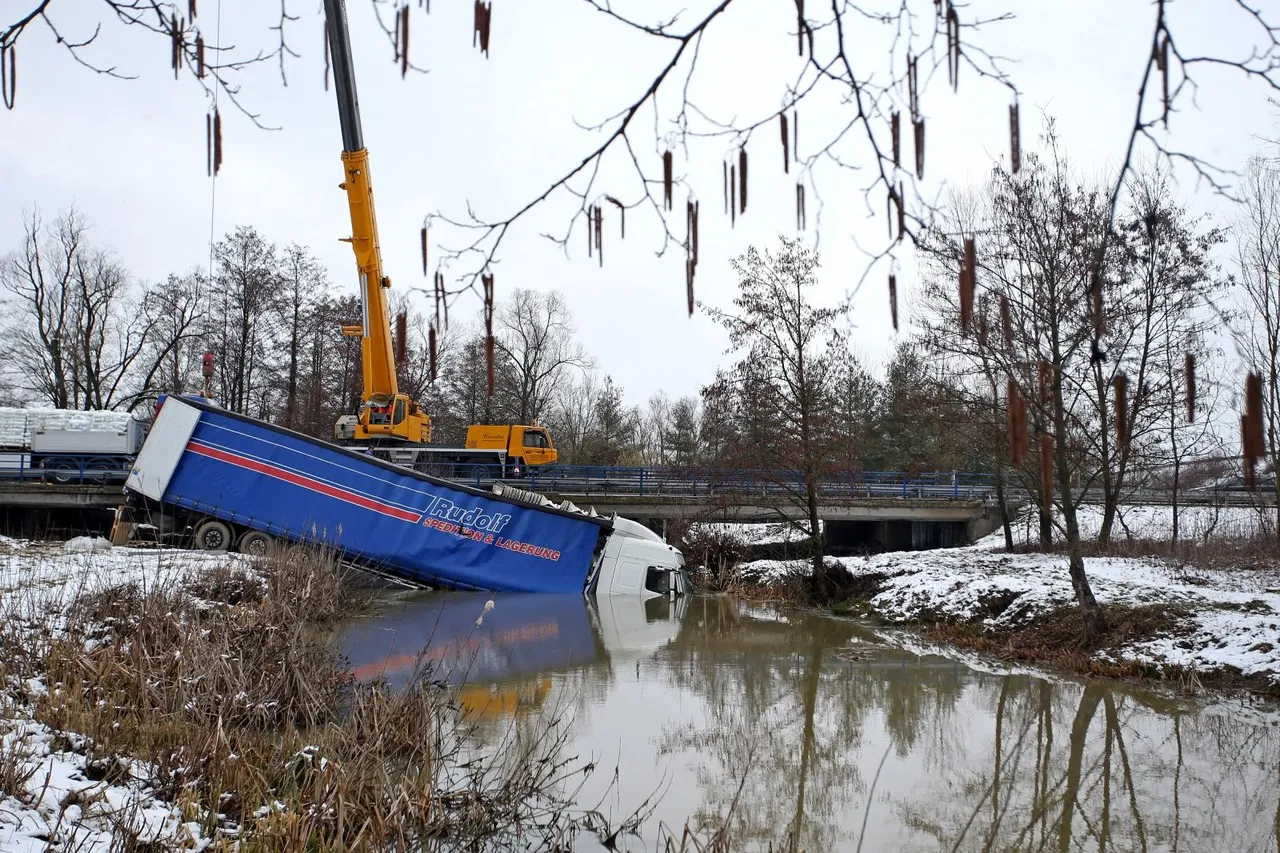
[{"x": 636, "y": 561}]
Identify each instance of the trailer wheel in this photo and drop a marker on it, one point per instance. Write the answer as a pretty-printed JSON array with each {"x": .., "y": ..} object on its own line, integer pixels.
[
  {"x": 213, "y": 535},
  {"x": 256, "y": 543}
]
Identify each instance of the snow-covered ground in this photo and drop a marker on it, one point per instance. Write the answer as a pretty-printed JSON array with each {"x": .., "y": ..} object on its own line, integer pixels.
[
  {"x": 57, "y": 797},
  {"x": 1234, "y": 616},
  {"x": 752, "y": 534}
]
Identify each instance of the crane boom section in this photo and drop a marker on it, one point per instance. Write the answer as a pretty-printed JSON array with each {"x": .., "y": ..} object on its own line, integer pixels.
[{"x": 377, "y": 356}]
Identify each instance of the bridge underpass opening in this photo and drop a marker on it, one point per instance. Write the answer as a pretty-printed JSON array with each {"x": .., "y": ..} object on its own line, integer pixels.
[{"x": 894, "y": 535}]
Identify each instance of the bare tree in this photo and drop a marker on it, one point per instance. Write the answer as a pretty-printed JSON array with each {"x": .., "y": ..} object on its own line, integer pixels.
[
  {"x": 1040, "y": 233},
  {"x": 178, "y": 309},
  {"x": 789, "y": 353},
  {"x": 303, "y": 283},
  {"x": 1257, "y": 237},
  {"x": 39, "y": 287},
  {"x": 245, "y": 307},
  {"x": 534, "y": 337}
]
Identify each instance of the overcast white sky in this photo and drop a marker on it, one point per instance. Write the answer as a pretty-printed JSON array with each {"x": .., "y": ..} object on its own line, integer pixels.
[{"x": 493, "y": 133}]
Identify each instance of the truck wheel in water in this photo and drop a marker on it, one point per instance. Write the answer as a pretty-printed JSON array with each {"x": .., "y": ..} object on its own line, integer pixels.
[
  {"x": 255, "y": 542},
  {"x": 213, "y": 535}
]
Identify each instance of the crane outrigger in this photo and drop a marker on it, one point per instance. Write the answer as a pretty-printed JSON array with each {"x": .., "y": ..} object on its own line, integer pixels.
[{"x": 386, "y": 415}]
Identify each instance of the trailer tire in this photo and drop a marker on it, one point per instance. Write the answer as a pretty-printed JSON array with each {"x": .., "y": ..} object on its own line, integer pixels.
[
  {"x": 213, "y": 535},
  {"x": 256, "y": 543}
]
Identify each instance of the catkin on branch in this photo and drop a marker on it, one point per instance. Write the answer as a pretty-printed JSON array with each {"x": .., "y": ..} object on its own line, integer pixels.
[
  {"x": 913, "y": 91},
  {"x": 968, "y": 281},
  {"x": 893, "y": 300},
  {"x": 1095, "y": 292},
  {"x": 431, "y": 349},
  {"x": 487, "y": 281},
  {"x": 895, "y": 133},
  {"x": 800, "y": 213},
  {"x": 733, "y": 195},
  {"x": 668, "y": 177},
  {"x": 1046, "y": 473},
  {"x": 786, "y": 144},
  {"x": 919, "y": 132},
  {"x": 600, "y": 234},
  {"x": 217, "y": 141},
  {"x": 483, "y": 14},
  {"x": 404, "y": 42},
  {"x": 191, "y": 9},
  {"x": 742, "y": 179},
  {"x": 800, "y": 26},
  {"x": 1006, "y": 322},
  {"x": 9, "y": 75},
  {"x": 401, "y": 339},
  {"x": 1251, "y": 429},
  {"x": 953, "y": 46},
  {"x": 178, "y": 44},
  {"x": 424, "y": 250},
  {"x": 902, "y": 214},
  {"x": 208, "y": 144},
  {"x": 1015, "y": 140},
  {"x": 1189, "y": 371},
  {"x": 200, "y": 57},
  {"x": 725, "y": 165},
  {"x": 1121, "y": 383},
  {"x": 982, "y": 323},
  {"x": 795, "y": 134},
  {"x": 622, "y": 214},
  {"x": 1017, "y": 423}
]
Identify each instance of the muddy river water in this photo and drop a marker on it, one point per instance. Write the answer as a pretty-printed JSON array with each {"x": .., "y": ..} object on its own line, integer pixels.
[{"x": 822, "y": 730}]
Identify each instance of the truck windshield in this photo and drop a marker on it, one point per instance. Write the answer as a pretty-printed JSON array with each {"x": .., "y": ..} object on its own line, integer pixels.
[{"x": 535, "y": 439}]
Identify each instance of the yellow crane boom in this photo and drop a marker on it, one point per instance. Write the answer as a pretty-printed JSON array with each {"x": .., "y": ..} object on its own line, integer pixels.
[{"x": 385, "y": 413}]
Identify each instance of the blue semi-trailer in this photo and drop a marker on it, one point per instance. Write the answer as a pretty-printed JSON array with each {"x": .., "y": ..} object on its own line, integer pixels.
[{"x": 236, "y": 482}]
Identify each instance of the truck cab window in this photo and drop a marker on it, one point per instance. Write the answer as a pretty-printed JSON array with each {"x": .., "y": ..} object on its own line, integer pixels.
[
  {"x": 399, "y": 414},
  {"x": 535, "y": 439}
]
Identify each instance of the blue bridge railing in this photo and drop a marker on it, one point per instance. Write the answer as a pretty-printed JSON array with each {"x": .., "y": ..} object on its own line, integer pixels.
[
  {"x": 710, "y": 483},
  {"x": 64, "y": 468}
]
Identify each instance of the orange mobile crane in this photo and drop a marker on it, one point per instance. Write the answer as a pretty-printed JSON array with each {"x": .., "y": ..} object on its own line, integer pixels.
[{"x": 386, "y": 416}]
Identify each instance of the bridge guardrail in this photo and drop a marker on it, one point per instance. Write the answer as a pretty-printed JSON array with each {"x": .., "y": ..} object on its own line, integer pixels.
[
  {"x": 84, "y": 469},
  {"x": 709, "y": 483}
]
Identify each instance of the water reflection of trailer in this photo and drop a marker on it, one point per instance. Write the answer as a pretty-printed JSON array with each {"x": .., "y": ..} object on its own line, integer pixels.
[{"x": 436, "y": 636}]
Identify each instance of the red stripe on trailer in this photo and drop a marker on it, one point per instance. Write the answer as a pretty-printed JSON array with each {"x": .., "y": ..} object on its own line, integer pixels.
[{"x": 305, "y": 482}]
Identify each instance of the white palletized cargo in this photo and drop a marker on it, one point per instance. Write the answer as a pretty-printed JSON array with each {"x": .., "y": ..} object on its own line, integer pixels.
[
  {"x": 18, "y": 427},
  {"x": 125, "y": 439}
]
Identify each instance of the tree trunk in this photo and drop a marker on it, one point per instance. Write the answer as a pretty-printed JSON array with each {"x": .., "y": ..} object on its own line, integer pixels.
[
  {"x": 1004, "y": 510},
  {"x": 1046, "y": 529},
  {"x": 1075, "y": 762}
]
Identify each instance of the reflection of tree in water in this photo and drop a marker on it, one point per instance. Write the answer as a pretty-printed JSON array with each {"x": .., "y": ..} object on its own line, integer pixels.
[
  {"x": 787, "y": 711},
  {"x": 1109, "y": 771},
  {"x": 977, "y": 761}
]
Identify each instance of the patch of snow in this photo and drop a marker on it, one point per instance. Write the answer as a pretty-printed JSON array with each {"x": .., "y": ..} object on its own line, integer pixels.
[
  {"x": 1234, "y": 619},
  {"x": 1200, "y": 523},
  {"x": 83, "y": 544},
  {"x": 59, "y": 805},
  {"x": 753, "y": 534}
]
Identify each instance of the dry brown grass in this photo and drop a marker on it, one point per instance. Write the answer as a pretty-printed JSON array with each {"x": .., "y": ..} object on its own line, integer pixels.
[{"x": 229, "y": 690}]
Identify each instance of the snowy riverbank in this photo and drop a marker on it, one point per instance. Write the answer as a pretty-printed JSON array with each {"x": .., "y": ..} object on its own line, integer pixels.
[
  {"x": 1227, "y": 619},
  {"x": 52, "y": 792}
]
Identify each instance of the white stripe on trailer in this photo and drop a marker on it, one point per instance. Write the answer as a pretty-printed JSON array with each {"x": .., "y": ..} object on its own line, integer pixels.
[{"x": 163, "y": 449}]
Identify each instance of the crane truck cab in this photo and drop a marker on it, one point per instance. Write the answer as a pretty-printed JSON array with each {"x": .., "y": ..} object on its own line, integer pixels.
[
  {"x": 527, "y": 446},
  {"x": 394, "y": 417}
]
